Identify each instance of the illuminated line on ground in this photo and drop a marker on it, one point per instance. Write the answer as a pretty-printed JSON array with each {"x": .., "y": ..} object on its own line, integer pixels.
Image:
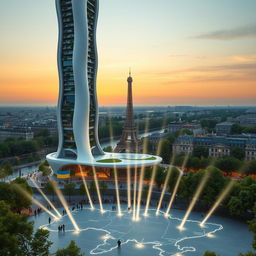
[
  {"x": 65, "y": 205},
  {"x": 164, "y": 189},
  {"x": 86, "y": 188},
  {"x": 46, "y": 198},
  {"x": 219, "y": 200},
  {"x": 176, "y": 187},
  {"x": 134, "y": 194},
  {"x": 117, "y": 193},
  {"x": 155, "y": 244},
  {"x": 195, "y": 198},
  {"x": 97, "y": 188},
  {"x": 30, "y": 197}
]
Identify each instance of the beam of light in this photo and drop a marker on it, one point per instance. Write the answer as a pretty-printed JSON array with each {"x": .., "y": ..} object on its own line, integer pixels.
[
  {"x": 152, "y": 181},
  {"x": 65, "y": 205},
  {"x": 195, "y": 197},
  {"x": 134, "y": 194},
  {"x": 150, "y": 189},
  {"x": 97, "y": 189},
  {"x": 86, "y": 188},
  {"x": 30, "y": 197},
  {"x": 173, "y": 194},
  {"x": 46, "y": 198},
  {"x": 222, "y": 196},
  {"x": 176, "y": 187},
  {"x": 117, "y": 193},
  {"x": 142, "y": 171},
  {"x": 164, "y": 189},
  {"x": 115, "y": 169},
  {"x": 128, "y": 169}
]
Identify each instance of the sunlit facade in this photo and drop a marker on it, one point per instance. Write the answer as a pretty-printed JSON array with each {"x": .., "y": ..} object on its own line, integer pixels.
[{"x": 77, "y": 105}]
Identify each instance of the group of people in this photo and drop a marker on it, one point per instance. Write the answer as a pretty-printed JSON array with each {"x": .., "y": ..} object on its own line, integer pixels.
[
  {"x": 37, "y": 211},
  {"x": 61, "y": 228}
]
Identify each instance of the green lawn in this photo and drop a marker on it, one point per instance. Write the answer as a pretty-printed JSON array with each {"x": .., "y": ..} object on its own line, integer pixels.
[
  {"x": 142, "y": 159},
  {"x": 109, "y": 161}
]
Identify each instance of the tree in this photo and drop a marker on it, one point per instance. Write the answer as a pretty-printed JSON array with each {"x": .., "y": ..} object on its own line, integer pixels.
[
  {"x": 200, "y": 152},
  {"x": 92, "y": 187},
  {"x": 228, "y": 164},
  {"x": 71, "y": 250},
  {"x": 15, "y": 231},
  {"x": 160, "y": 176},
  {"x": 40, "y": 244},
  {"x": 194, "y": 163},
  {"x": 49, "y": 188},
  {"x": 252, "y": 167},
  {"x": 16, "y": 236},
  {"x": 6, "y": 170},
  {"x": 103, "y": 186},
  {"x": 175, "y": 173},
  {"x": 69, "y": 189},
  {"x": 236, "y": 129},
  {"x": 20, "y": 201},
  {"x": 46, "y": 171},
  {"x": 238, "y": 153},
  {"x": 208, "y": 253},
  {"x": 166, "y": 151},
  {"x": 235, "y": 206}
]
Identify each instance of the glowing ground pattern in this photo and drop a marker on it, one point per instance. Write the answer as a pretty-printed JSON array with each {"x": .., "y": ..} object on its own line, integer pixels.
[{"x": 152, "y": 235}]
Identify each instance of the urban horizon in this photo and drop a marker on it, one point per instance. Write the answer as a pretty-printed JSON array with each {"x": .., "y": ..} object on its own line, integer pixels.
[{"x": 174, "y": 61}]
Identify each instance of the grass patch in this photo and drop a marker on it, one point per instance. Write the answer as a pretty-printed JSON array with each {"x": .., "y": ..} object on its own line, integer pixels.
[
  {"x": 113, "y": 160},
  {"x": 143, "y": 159}
]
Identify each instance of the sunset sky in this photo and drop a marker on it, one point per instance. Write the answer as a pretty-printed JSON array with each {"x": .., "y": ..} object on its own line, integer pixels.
[{"x": 182, "y": 52}]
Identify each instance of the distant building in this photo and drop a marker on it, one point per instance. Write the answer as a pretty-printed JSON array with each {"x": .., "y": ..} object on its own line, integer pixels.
[
  {"x": 154, "y": 139},
  {"x": 183, "y": 144},
  {"x": 223, "y": 128},
  {"x": 218, "y": 146},
  {"x": 196, "y": 128},
  {"x": 250, "y": 150},
  {"x": 174, "y": 127},
  {"x": 219, "y": 150},
  {"x": 247, "y": 120},
  {"x": 16, "y": 133}
]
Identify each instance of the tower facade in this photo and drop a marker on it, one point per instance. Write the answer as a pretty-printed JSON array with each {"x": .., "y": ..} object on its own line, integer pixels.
[
  {"x": 77, "y": 111},
  {"x": 129, "y": 142},
  {"x": 77, "y": 65}
]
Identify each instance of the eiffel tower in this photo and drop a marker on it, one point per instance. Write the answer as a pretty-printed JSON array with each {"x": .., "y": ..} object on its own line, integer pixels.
[{"x": 129, "y": 142}]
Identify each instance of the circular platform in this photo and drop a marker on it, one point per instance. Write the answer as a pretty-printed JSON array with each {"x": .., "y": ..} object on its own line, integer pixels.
[{"x": 108, "y": 160}]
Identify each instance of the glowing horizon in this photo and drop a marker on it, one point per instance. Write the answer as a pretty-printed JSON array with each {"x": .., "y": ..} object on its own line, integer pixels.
[{"x": 174, "y": 61}]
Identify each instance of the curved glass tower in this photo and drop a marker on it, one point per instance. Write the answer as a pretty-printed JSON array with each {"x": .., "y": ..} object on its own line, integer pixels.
[{"x": 77, "y": 105}]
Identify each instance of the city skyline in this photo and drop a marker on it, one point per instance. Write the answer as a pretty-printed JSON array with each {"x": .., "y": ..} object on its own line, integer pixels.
[{"x": 195, "y": 58}]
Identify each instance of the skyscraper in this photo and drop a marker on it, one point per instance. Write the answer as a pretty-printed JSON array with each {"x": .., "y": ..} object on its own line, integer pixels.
[
  {"x": 129, "y": 141},
  {"x": 77, "y": 110}
]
